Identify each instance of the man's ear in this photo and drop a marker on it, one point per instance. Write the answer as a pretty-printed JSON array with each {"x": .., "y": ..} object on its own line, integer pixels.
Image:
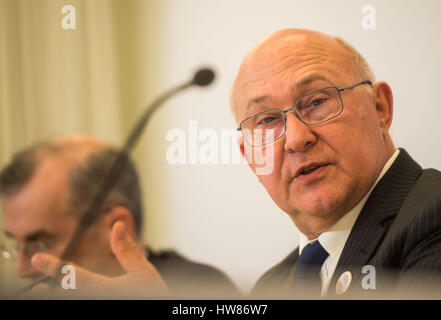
[
  {"x": 245, "y": 155},
  {"x": 383, "y": 100},
  {"x": 120, "y": 213}
]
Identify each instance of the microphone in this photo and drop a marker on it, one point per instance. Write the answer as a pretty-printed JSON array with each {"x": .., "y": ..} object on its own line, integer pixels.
[{"x": 203, "y": 77}]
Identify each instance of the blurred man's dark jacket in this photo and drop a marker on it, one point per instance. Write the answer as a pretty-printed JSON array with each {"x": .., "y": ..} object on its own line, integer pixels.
[{"x": 186, "y": 278}]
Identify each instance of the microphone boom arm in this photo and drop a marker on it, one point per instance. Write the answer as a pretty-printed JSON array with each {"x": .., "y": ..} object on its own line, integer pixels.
[{"x": 202, "y": 78}]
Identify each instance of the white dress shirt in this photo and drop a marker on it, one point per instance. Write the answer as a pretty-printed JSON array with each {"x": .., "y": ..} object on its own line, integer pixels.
[{"x": 334, "y": 239}]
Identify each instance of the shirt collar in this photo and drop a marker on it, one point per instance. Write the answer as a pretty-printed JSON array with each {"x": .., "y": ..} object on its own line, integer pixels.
[{"x": 334, "y": 239}]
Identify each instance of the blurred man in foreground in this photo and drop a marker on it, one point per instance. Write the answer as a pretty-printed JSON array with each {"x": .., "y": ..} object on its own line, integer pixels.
[{"x": 46, "y": 188}]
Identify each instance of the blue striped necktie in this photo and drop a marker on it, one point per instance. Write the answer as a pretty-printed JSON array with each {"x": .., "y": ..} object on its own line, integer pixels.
[{"x": 308, "y": 267}]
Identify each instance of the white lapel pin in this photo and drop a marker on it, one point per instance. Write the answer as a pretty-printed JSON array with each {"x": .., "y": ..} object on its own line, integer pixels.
[{"x": 343, "y": 282}]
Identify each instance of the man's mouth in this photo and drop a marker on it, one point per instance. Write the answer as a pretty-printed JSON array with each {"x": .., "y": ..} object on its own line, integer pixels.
[{"x": 309, "y": 170}]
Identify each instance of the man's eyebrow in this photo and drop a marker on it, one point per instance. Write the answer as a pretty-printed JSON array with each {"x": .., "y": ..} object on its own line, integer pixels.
[
  {"x": 311, "y": 78},
  {"x": 298, "y": 86},
  {"x": 37, "y": 234},
  {"x": 256, "y": 100},
  {"x": 31, "y": 237}
]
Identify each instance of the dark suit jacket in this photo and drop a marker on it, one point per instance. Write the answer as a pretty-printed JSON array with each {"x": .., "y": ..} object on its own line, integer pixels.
[
  {"x": 398, "y": 232},
  {"x": 189, "y": 279}
]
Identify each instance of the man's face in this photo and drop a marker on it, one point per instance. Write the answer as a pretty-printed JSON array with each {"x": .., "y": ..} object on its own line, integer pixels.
[
  {"x": 349, "y": 148},
  {"x": 38, "y": 217}
]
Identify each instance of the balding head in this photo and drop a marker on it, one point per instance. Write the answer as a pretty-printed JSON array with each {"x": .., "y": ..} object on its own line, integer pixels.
[
  {"x": 60, "y": 153},
  {"x": 74, "y": 166},
  {"x": 70, "y": 150},
  {"x": 299, "y": 47},
  {"x": 78, "y": 145},
  {"x": 47, "y": 188}
]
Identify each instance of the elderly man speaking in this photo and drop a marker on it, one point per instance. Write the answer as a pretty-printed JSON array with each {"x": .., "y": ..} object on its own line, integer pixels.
[{"x": 369, "y": 216}]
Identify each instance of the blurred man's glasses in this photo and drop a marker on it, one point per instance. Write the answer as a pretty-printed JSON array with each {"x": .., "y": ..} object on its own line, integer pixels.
[
  {"x": 313, "y": 108},
  {"x": 9, "y": 249}
]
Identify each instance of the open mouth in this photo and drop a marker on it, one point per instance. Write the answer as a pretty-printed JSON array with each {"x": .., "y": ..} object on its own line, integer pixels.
[{"x": 309, "y": 170}]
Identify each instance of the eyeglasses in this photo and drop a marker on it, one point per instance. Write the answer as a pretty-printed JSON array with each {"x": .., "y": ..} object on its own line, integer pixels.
[
  {"x": 313, "y": 108},
  {"x": 9, "y": 249}
]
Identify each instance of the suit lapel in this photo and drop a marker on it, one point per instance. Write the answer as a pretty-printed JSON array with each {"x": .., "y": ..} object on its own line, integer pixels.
[
  {"x": 383, "y": 204},
  {"x": 287, "y": 285}
]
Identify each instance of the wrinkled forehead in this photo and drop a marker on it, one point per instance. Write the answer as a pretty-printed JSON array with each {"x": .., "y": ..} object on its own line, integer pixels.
[{"x": 279, "y": 63}]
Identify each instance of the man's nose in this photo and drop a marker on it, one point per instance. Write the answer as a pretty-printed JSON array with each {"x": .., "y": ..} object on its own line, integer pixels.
[
  {"x": 24, "y": 268},
  {"x": 298, "y": 137}
]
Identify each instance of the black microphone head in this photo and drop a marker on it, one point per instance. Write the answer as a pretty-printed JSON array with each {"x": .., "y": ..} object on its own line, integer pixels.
[{"x": 203, "y": 77}]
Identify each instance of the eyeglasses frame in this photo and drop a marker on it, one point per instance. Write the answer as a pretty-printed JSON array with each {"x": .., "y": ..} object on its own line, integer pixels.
[{"x": 294, "y": 108}]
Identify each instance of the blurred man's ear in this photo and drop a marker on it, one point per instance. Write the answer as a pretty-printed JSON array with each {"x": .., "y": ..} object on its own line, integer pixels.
[
  {"x": 383, "y": 104},
  {"x": 120, "y": 213}
]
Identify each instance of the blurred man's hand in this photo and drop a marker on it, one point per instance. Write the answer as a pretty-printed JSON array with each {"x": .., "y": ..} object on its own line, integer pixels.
[{"x": 141, "y": 279}]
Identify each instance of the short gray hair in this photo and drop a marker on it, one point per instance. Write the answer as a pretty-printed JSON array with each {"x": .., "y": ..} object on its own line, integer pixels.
[
  {"x": 359, "y": 64},
  {"x": 85, "y": 178}
]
